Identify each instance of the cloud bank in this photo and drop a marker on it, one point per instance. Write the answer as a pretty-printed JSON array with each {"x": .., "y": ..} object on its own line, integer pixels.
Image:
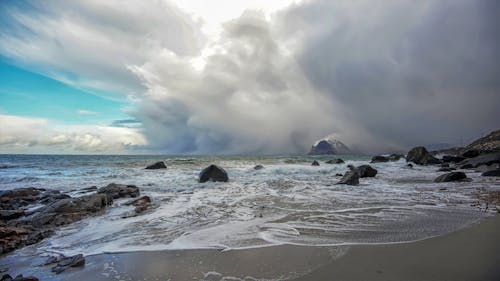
[{"x": 380, "y": 76}]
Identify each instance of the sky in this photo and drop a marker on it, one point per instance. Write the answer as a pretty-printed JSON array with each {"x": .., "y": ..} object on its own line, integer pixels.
[{"x": 245, "y": 77}]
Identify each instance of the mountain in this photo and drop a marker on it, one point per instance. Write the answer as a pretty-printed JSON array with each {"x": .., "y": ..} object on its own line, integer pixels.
[{"x": 329, "y": 145}]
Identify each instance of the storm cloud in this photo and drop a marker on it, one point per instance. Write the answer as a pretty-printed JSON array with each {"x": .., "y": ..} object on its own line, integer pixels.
[{"x": 380, "y": 76}]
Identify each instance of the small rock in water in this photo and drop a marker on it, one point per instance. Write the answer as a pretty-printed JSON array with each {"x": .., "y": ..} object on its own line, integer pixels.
[
  {"x": 258, "y": 167},
  {"x": 315, "y": 163},
  {"x": 351, "y": 177},
  {"x": 366, "y": 171},
  {"x": 338, "y": 175},
  {"x": 379, "y": 159},
  {"x": 66, "y": 262},
  {"x": 157, "y": 165},
  {"x": 119, "y": 190},
  {"x": 445, "y": 169},
  {"x": 335, "y": 161},
  {"x": 453, "y": 176},
  {"x": 409, "y": 165},
  {"x": 213, "y": 173}
]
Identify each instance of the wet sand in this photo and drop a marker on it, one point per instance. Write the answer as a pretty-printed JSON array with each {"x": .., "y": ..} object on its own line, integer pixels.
[{"x": 472, "y": 253}]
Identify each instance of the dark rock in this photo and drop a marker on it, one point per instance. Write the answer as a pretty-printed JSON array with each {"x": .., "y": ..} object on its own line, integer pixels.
[
  {"x": 11, "y": 214},
  {"x": 119, "y": 190},
  {"x": 66, "y": 262},
  {"x": 419, "y": 155},
  {"x": 20, "y": 277},
  {"x": 213, "y": 173},
  {"x": 315, "y": 163},
  {"x": 141, "y": 204},
  {"x": 409, "y": 165},
  {"x": 454, "y": 159},
  {"x": 335, "y": 161},
  {"x": 157, "y": 165},
  {"x": 484, "y": 159},
  {"x": 492, "y": 173},
  {"x": 466, "y": 166},
  {"x": 258, "y": 167},
  {"x": 395, "y": 157},
  {"x": 29, "y": 192},
  {"x": 445, "y": 169},
  {"x": 51, "y": 260},
  {"x": 379, "y": 159},
  {"x": 366, "y": 171},
  {"x": 338, "y": 175},
  {"x": 351, "y": 177},
  {"x": 471, "y": 153},
  {"x": 453, "y": 176},
  {"x": 6, "y": 277}
]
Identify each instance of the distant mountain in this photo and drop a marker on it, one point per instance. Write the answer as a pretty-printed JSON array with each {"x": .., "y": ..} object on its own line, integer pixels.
[{"x": 329, "y": 145}]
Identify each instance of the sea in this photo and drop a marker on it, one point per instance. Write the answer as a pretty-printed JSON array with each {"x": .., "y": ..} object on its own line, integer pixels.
[{"x": 287, "y": 202}]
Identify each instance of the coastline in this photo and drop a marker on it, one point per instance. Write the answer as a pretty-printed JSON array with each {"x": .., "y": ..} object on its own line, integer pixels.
[{"x": 471, "y": 253}]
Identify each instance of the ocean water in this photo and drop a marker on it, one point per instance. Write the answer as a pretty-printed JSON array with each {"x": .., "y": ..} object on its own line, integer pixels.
[{"x": 287, "y": 202}]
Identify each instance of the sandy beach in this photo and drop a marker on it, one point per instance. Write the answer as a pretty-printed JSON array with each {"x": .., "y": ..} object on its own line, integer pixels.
[{"x": 472, "y": 253}]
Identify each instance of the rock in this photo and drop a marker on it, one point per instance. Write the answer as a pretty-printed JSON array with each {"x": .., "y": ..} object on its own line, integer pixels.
[
  {"x": 6, "y": 277},
  {"x": 142, "y": 204},
  {"x": 335, "y": 161},
  {"x": 379, "y": 159},
  {"x": 453, "y": 176},
  {"x": 492, "y": 173},
  {"x": 445, "y": 169},
  {"x": 419, "y": 155},
  {"x": 119, "y": 190},
  {"x": 445, "y": 165},
  {"x": 351, "y": 177},
  {"x": 10, "y": 214},
  {"x": 395, "y": 157},
  {"x": 315, "y": 163},
  {"x": 487, "y": 144},
  {"x": 366, "y": 171},
  {"x": 409, "y": 165},
  {"x": 29, "y": 192},
  {"x": 20, "y": 277},
  {"x": 454, "y": 159},
  {"x": 157, "y": 165},
  {"x": 66, "y": 262},
  {"x": 471, "y": 153},
  {"x": 484, "y": 159},
  {"x": 338, "y": 175},
  {"x": 213, "y": 173},
  {"x": 329, "y": 145},
  {"x": 258, "y": 167}
]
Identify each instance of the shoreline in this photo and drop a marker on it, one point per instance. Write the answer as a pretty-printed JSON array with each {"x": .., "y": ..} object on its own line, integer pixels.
[{"x": 470, "y": 253}]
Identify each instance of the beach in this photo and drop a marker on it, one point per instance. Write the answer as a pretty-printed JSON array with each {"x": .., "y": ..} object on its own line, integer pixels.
[{"x": 472, "y": 253}]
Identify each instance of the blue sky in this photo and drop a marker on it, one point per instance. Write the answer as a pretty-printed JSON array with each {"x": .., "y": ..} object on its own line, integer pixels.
[{"x": 30, "y": 94}]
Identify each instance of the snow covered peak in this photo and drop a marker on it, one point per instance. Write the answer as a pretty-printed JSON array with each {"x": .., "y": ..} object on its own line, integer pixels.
[{"x": 329, "y": 145}]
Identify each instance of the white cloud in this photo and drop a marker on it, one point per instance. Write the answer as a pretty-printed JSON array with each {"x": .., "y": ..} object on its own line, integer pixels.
[{"x": 22, "y": 134}]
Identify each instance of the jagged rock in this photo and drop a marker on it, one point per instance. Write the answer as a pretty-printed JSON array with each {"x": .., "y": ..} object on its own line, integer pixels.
[
  {"x": 487, "y": 144},
  {"x": 335, "y": 161},
  {"x": 395, "y": 157},
  {"x": 213, "y": 173},
  {"x": 10, "y": 214},
  {"x": 20, "y": 277},
  {"x": 315, "y": 163},
  {"x": 258, "y": 167},
  {"x": 366, "y": 171},
  {"x": 409, "y": 165},
  {"x": 453, "y": 176},
  {"x": 419, "y": 155},
  {"x": 141, "y": 204},
  {"x": 351, "y": 177},
  {"x": 66, "y": 262},
  {"x": 119, "y": 190},
  {"x": 492, "y": 173},
  {"x": 379, "y": 159},
  {"x": 157, "y": 165}
]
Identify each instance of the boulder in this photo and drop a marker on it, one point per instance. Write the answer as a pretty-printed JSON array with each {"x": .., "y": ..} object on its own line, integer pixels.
[
  {"x": 492, "y": 173},
  {"x": 351, "y": 177},
  {"x": 335, "y": 161},
  {"x": 395, "y": 157},
  {"x": 213, "y": 173},
  {"x": 409, "y": 165},
  {"x": 419, "y": 155},
  {"x": 454, "y": 159},
  {"x": 484, "y": 159},
  {"x": 315, "y": 163},
  {"x": 20, "y": 277},
  {"x": 453, "y": 176},
  {"x": 329, "y": 145},
  {"x": 157, "y": 165},
  {"x": 471, "y": 153},
  {"x": 258, "y": 167},
  {"x": 379, "y": 159},
  {"x": 119, "y": 190},
  {"x": 141, "y": 204},
  {"x": 366, "y": 171}
]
